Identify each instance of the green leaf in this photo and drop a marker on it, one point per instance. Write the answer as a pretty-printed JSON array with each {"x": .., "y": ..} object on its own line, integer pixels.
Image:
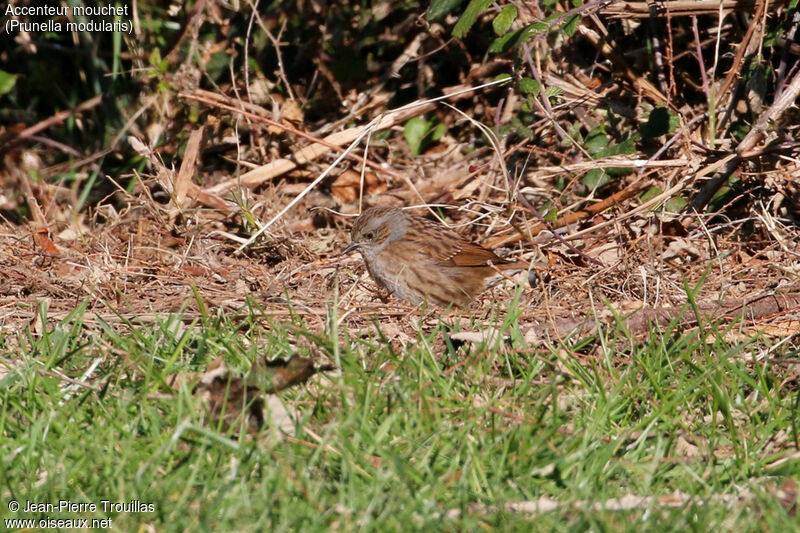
[
  {"x": 505, "y": 19},
  {"x": 502, "y": 43},
  {"x": 573, "y": 135},
  {"x": 517, "y": 37},
  {"x": 676, "y": 203},
  {"x": 597, "y": 145},
  {"x": 612, "y": 119},
  {"x": 521, "y": 129},
  {"x": 155, "y": 57},
  {"x": 595, "y": 178},
  {"x": 626, "y": 147},
  {"x": 414, "y": 131},
  {"x": 7, "y": 82},
  {"x": 570, "y": 25},
  {"x": 529, "y": 86},
  {"x": 553, "y": 91},
  {"x": 420, "y": 132},
  {"x": 660, "y": 122},
  {"x": 438, "y": 131},
  {"x": 739, "y": 130},
  {"x": 596, "y": 140},
  {"x": 649, "y": 194},
  {"x": 440, "y": 8},
  {"x": 468, "y": 18}
]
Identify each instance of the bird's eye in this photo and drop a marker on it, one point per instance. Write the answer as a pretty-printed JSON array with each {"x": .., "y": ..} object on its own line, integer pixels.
[{"x": 369, "y": 235}]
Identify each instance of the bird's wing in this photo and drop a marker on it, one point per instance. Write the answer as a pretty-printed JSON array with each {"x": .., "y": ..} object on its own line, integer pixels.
[{"x": 446, "y": 247}]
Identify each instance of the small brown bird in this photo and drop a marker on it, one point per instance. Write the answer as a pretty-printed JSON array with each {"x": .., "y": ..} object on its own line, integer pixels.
[{"x": 416, "y": 259}]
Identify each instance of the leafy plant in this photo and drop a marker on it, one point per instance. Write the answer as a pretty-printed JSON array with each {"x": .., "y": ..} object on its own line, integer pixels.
[{"x": 420, "y": 133}]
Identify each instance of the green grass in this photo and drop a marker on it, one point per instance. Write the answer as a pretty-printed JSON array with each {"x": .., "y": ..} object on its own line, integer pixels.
[{"x": 422, "y": 438}]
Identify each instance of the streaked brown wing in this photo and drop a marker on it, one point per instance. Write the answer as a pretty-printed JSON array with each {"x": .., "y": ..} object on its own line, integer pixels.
[
  {"x": 445, "y": 247},
  {"x": 471, "y": 255}
]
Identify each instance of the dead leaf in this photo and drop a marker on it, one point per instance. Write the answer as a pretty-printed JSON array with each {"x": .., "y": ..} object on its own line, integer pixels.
[
  {"x": 347, "y": 186},
  {"x": 235, "y": 400},
  {"x": 279, "y": 374},
  {"x": 43, "y": 242},
  {"x": 681, "y": 250},
  {"x": 684, "y": 448},
  {"x": 231, "y": 402},
  {"x": 487, "y": 336},
  {"x": 290, "y": 114},
  {"x": 188, "y": 167}
]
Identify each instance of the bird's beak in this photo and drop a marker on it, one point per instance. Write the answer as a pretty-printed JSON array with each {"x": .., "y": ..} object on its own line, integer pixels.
[{"x": 350, "y": 247}]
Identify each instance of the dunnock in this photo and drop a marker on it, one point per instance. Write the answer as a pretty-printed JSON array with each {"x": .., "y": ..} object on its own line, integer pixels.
[{"x": 417, "y": 259}]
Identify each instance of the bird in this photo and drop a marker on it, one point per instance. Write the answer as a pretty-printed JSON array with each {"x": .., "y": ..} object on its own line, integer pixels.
[{"x": 419, "y": 260}]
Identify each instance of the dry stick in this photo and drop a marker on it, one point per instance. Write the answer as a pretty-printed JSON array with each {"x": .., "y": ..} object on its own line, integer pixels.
[
  {"x": 494, "y": 141},
  {"x": 60, "y": 167},
  {"x": 736, "y": 66},
  {"x": 192, "y": 189},
  {"x": 276, "y": 42},
  {"x": 639, "y": 321},
  {"x": 544, "y": 105},
  {"x": 740, "y": 50},
  {"x": 383, "y": 121},
  {"x": 47, "y": 141},
  {"x": 39, "y": 220},
  {"x": 613, "y": 161},
  {"x": 620, "y": 64},
  {"x": 10, "y": 364},
  {"x": 333, "y": 141},
  {"x": 247, "y": 34},
  {"x": 653, "y": 202},
  {"x": 781, "y": 72},
  {"x": 571, "y": 218},
  {"x": 57, "y": 118},
  {"x": 544, "y": 224},
  {"x": 699, "y": 52},
  {"x": 615, "y": 198},
  {"x": 658, "y": 57},
  {"x": 673, "y": 89},
  {"x": 759, "y": 131},
  {"x": 670, "y": 142},
  {"x": 586, "y": 10},
  {"x": 191, "y": 20},
  {"x": 678, "y": 8},
  {"x": 258, "y": 175}
]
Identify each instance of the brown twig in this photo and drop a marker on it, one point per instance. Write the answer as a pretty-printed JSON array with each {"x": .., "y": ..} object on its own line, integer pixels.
[
  {"x": 679, "y": 8},
  {"x": 198, "y": 97},
  {"x": 334, "y": 141},
  {"x": 736, "y": 66},
  {"x": 571, "y": 218},
  {"x": 755, "y": 135},
  {"x": 620, "y": 64},
  {"x": 640, "y": 321},
  {"x": 57, "y": 118}
]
